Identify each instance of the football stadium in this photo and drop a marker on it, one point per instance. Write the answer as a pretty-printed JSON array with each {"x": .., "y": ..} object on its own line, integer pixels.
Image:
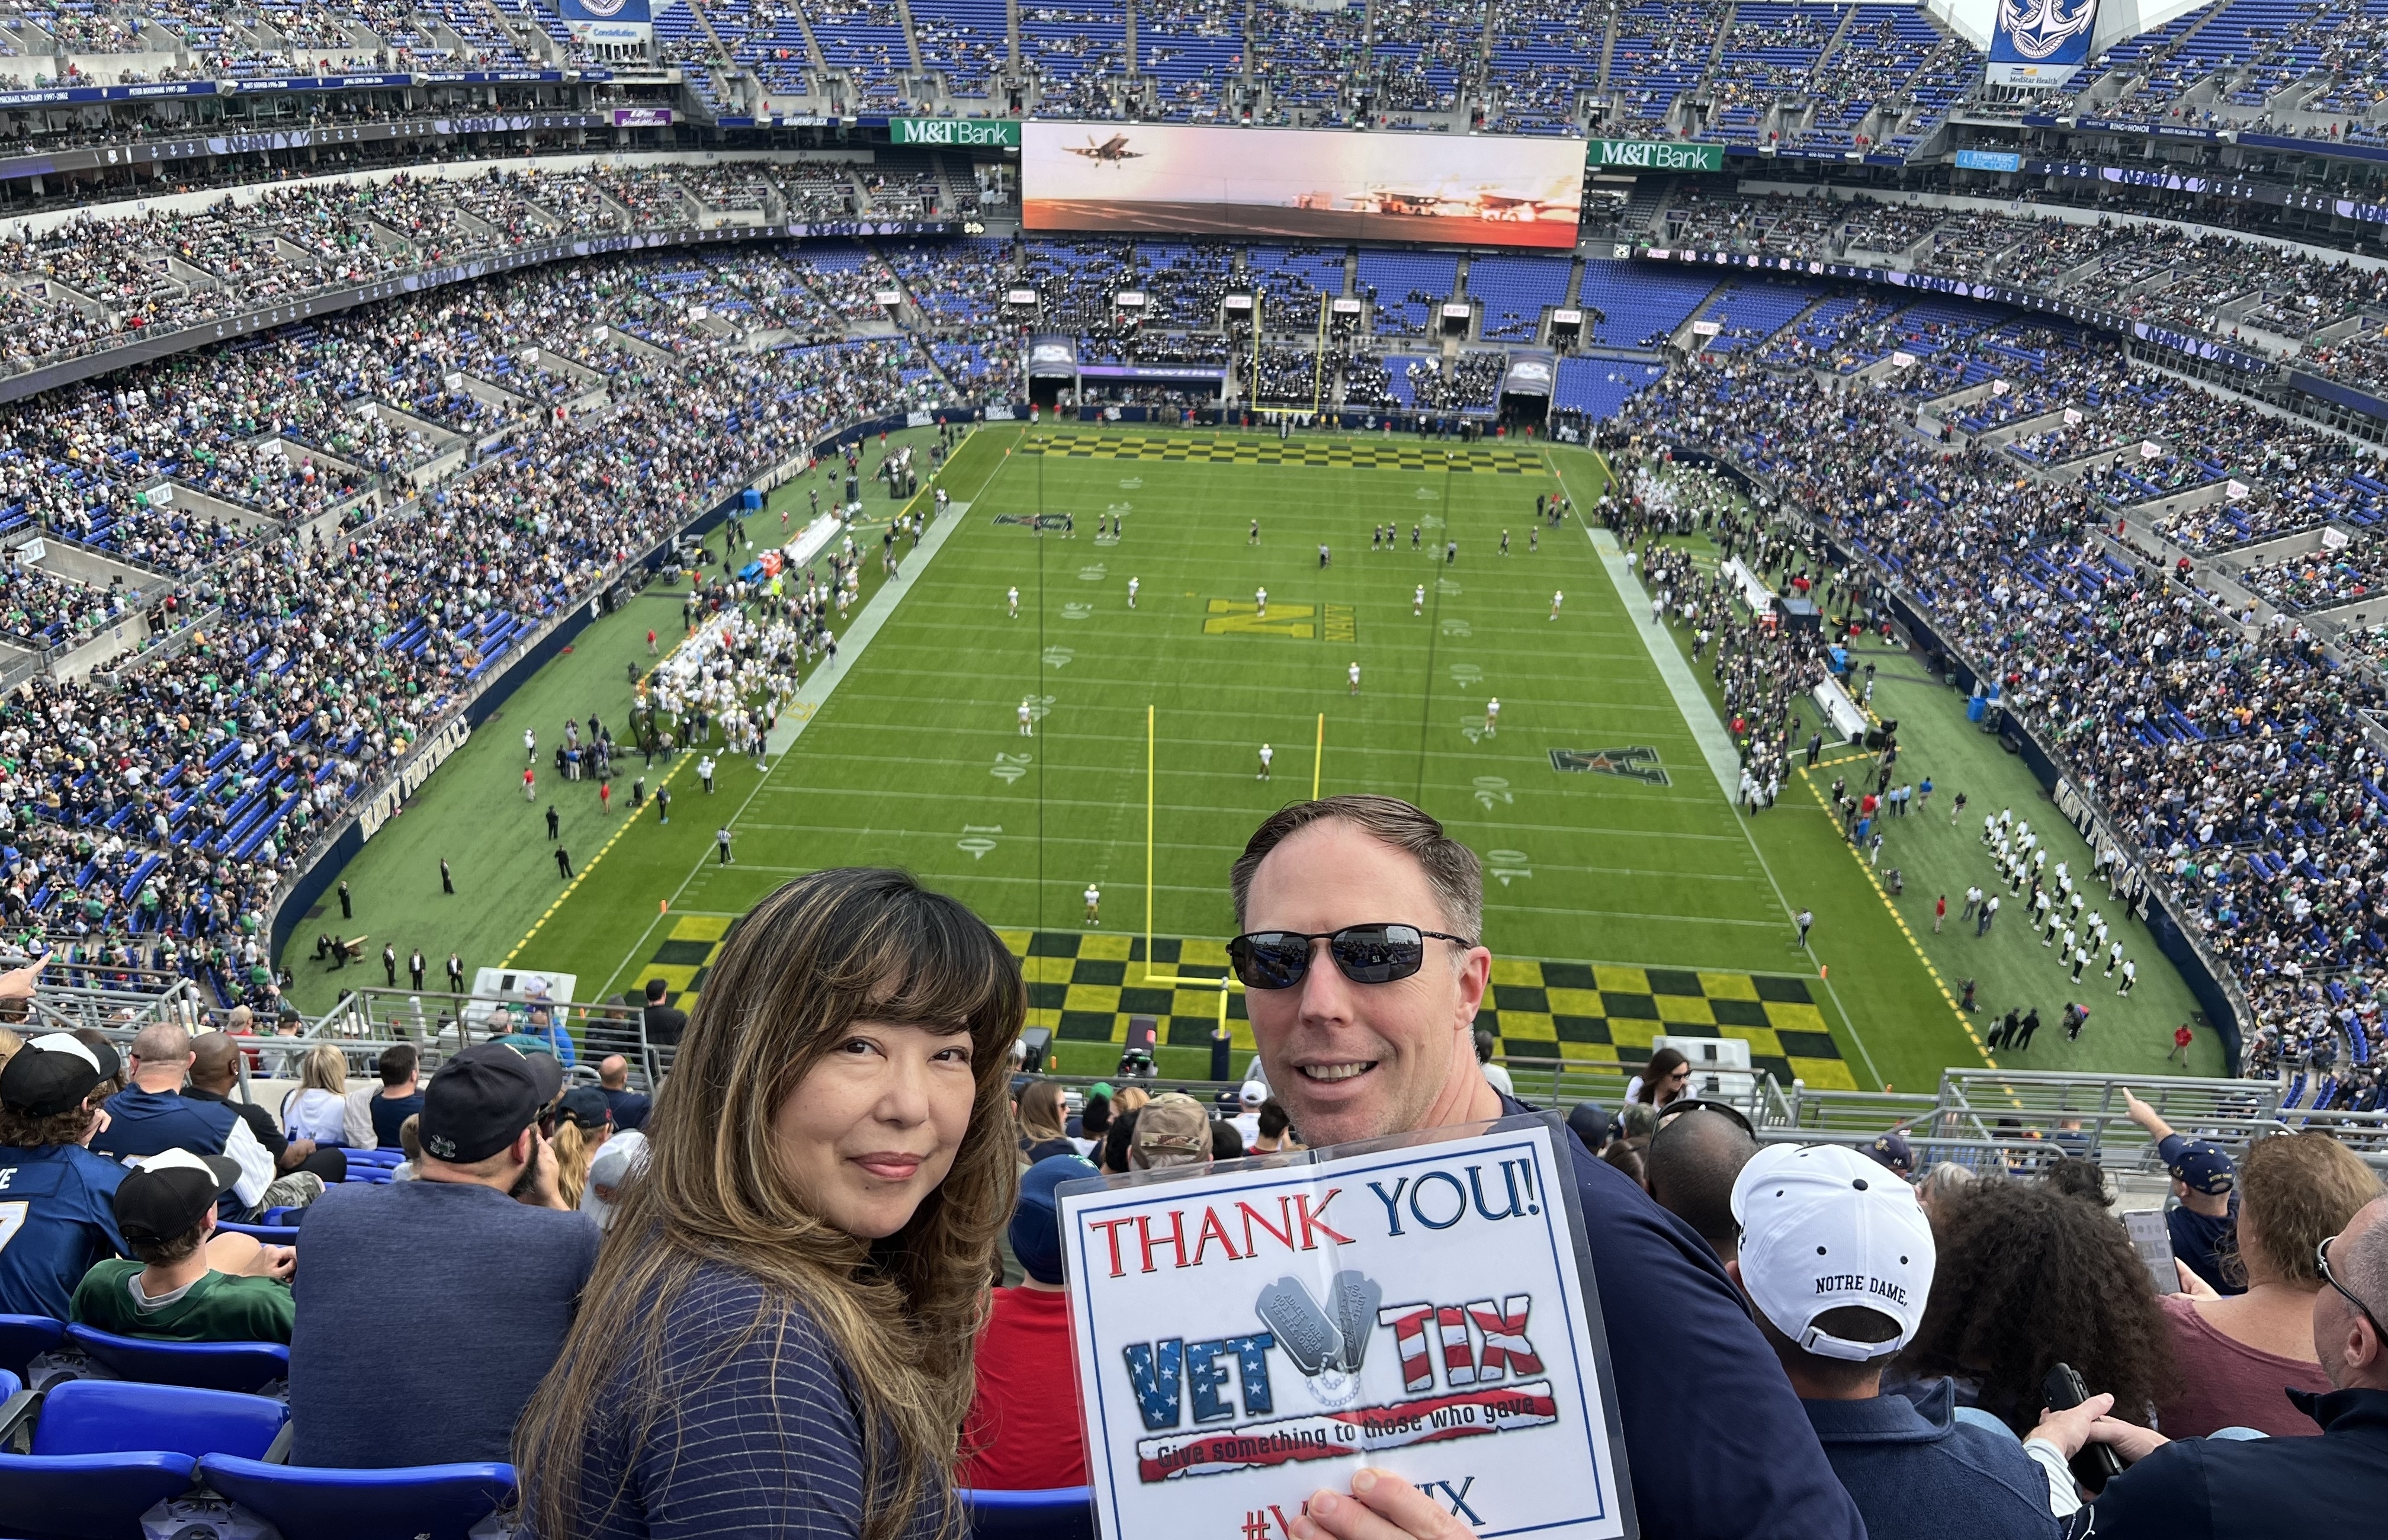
[{"x": 720, "y": 723}]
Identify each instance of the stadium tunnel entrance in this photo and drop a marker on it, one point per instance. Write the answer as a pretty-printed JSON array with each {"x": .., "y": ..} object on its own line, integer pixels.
[
  {"x": 1525, "y": 399},
  {"x": 1052, "y": 369}
]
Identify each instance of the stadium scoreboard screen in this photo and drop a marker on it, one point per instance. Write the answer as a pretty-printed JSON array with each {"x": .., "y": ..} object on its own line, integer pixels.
[{"x": 1301, "y": 184}]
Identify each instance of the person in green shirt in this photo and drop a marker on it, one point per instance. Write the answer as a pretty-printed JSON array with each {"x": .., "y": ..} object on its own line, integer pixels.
[{"x": 189, "y": 1284}]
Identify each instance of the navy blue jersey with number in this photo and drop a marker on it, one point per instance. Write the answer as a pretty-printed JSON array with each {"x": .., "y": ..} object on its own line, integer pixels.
[{"x": 58, "y": 1216}]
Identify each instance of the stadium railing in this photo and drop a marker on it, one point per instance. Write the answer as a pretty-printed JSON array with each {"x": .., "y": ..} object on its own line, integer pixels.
[
  {"x": 117, "y": 1001},
  {"x": 1986, "y": 1120},
  {"x": 369, "y": 1020},
  {"x": 1977, "y": 1117}
]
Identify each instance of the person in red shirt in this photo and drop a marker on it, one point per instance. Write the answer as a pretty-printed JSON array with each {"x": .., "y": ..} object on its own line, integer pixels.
[
  {"x": 2182, "y": 1036},
  {"x": 1023, "y": 1433}
]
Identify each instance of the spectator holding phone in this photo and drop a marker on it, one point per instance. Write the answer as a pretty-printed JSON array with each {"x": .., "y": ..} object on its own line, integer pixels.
[
  {"x": 2255, "y": 1489},
  {"x": 2238, "y": 1353},
  {"x": 2030, "y": 1277},
  {"x": 2205, "y": 1211}
]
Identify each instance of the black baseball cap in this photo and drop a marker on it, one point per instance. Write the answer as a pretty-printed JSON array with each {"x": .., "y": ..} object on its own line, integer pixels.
[
  {"x": 546, "y": 1072},
  {"x": 169, "y": 1193},
  {"x": 52, "y": 1074},
  {"x": 587, "y": 1106},
  {"x": 479, "y": 1103}
]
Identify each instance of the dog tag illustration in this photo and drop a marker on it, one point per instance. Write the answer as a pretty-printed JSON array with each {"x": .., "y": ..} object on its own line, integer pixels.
[
  {"x": 1313, "y": 1341},
  {"x": 1351, "y": 1303}
]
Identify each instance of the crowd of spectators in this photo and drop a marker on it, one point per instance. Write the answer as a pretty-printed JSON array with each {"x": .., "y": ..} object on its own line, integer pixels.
[
  {"x": 2233, "y": 755},
  {"x": 2200, "y": 280},
  {"x": 1875, "y": 1326},
  {"x": 1784, "y": 73},
  {"x": 1467, "y": 383},
  {"x": 87, "y": 282},
  {"x": 166, "y": 814}
]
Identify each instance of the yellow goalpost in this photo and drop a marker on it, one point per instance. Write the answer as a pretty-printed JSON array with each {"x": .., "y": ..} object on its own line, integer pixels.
[{"x": 1227, "y": 984}]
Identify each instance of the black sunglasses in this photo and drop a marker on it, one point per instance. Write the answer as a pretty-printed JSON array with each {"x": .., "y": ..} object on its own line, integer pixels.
[
  {"x": 2322, "y": 1263},
  {"x": 1365, "y": 954}
]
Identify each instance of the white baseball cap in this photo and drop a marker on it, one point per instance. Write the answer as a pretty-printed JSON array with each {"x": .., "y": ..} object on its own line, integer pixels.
[
  {"x": 1823, "y": 1228},
  {"x": 1254, "y": 1093}
]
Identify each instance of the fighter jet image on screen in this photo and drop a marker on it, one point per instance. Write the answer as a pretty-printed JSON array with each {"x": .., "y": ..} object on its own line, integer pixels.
[
  {"x": 1479, "y": 203},
  {"x": 1110, "y": 152},
  {"x": 1299, "y": 184}
]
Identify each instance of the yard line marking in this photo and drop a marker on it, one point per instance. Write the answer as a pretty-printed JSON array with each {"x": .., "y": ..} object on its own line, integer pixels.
[
  {"x": 1715, "y": 744},
  {"x": 811, "y": 693},
  {"x": 1696, "y": 715},
  {"x": 1872, "y": 879}
]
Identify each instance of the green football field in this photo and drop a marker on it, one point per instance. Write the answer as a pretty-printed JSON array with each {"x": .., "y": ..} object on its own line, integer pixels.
[{"x": 1625, "y": 897}]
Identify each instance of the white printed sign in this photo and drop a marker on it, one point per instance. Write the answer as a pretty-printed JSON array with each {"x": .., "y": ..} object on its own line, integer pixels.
[{"x": 1247, "y": 1334}]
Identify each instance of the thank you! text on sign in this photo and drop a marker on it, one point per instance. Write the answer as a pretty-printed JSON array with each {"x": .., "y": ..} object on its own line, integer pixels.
[{"x": 1247, "y": 1335}]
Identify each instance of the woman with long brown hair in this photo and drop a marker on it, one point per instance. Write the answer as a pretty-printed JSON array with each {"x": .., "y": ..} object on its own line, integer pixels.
[
  {"x": 1665, "y": 1078},
  {"x": 1043, "y": 1130},
  {"x": 2030, "y": 1277},
  {"x": 777, "y": 1338}
]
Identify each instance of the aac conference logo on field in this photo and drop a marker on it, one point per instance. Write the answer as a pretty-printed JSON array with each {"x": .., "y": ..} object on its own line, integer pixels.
[{"x": 1637, "y": 763}]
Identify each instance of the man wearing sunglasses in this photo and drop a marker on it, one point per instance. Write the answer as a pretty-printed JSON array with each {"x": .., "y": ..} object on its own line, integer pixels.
[
  {"x": 1364, "y": 973},
  {"x": 2225, "y": 1489}
]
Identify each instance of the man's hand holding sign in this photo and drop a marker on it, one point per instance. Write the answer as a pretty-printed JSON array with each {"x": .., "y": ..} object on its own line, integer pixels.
[{"x": 1411, "y": 1312}]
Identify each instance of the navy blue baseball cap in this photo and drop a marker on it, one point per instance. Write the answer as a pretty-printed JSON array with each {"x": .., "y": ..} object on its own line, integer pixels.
[
  {"x": 2202, "y": 1166},
  {"x": 1036, "y": 1223},
  {"x": 1892, "y": 1150}
]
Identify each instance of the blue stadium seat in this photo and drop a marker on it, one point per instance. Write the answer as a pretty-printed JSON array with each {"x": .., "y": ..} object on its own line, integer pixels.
[
  {"x": 1058, "y": 1513},
  {"x": 243, "y": 1367},
  {"x": 23, "y": 1338},
  {"x": 107, "y": 1417},
  {"x": 271, "y": 1235},
  {"x": 105, "y": 1452},
  {"x": 439, "y": 1502},
  {"x": 89, "y": 1496}
]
